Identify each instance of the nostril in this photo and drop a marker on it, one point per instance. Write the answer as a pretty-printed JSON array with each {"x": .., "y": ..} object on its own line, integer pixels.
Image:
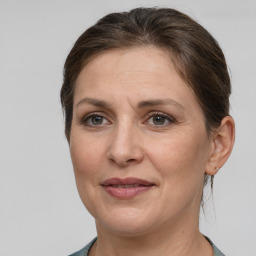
[
  {"x": 122, "y": 162},
  {"x": 123, "y": 155},
  {"x": 130, "y": 160}
]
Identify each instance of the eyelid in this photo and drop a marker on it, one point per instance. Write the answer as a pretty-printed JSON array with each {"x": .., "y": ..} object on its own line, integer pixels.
[
  {"x": 84, "y": 119},
  {"x": 170, "y": 118}
]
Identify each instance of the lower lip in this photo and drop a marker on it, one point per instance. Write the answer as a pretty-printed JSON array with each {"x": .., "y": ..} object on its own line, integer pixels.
[{"x": 126, "y": 193}]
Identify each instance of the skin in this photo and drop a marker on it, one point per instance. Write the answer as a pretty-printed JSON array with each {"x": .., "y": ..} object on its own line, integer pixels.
[{"x": 129, "y": 141}]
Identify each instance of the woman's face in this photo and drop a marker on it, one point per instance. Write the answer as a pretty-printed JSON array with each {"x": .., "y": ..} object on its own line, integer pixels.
[{"x": 138, "y": 142}]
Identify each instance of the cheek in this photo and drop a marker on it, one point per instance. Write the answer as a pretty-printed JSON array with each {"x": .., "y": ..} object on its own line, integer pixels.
[
  {"x": 180, "y": 159},
  {"x": 86, "y": 154},
  {"x": 180, "y": 163}
]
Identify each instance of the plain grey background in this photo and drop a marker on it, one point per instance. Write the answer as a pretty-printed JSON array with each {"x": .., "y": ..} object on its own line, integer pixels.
[{"x": 40, "y": 210}]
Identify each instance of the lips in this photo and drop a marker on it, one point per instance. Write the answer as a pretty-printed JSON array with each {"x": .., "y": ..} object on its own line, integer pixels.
[{"x": 126, "y": 188}]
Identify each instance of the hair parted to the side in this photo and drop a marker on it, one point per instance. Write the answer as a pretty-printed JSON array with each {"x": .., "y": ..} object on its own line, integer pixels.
[{"x": 195, "y": 54}]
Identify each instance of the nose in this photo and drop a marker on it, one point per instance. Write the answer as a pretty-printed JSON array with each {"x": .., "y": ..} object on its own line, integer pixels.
[{"x": 126, "y": 146}]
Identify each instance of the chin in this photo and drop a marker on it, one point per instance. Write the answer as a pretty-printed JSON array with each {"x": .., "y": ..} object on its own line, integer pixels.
[{"x": 125, "y": 222}]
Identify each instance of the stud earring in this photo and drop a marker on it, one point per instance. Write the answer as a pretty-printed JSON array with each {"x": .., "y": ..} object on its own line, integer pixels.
[{"x": 216, "y": 168}]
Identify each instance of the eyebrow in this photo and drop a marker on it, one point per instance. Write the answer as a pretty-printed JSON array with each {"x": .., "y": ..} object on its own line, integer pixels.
[
  {"x": 158, "y": 102},
  {"x": 142, "y": 104},
  {"x": 94, "y": 102}
]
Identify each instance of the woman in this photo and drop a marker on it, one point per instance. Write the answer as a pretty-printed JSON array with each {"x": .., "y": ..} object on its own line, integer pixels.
[{"x": 146, "y": 101}]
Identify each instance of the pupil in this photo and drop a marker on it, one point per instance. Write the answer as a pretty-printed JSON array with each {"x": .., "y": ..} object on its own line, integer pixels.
[
  {"x": 158, "y": 120},
  {"x": 97, "y": 120}
]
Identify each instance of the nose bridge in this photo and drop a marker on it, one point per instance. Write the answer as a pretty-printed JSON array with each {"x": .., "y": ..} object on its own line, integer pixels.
[{"x": 126, "y": 146}]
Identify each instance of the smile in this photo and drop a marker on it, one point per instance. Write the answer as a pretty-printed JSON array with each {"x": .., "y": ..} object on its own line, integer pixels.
[{"x": 126, "y": 188}]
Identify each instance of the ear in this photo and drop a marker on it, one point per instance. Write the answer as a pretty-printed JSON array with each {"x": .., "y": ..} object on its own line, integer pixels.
[{"x": 221, "y": 145}]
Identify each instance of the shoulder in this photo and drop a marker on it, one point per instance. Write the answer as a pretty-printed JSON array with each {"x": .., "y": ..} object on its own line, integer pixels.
[
  {"x": 216, "y": 251},
  {"x": 85, "y": 250}
]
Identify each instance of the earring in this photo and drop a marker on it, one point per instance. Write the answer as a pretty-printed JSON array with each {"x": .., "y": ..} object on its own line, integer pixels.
[{"x": 212, "y": 178}]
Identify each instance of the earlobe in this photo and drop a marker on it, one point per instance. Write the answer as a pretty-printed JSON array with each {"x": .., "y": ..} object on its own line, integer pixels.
[{"x": 222, "y": 144}]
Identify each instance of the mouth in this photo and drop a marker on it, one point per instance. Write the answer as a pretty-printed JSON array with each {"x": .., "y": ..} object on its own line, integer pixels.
[{"x": 126, "y": 188}]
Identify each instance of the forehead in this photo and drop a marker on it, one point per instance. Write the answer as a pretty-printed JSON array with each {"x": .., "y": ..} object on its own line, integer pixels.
[
  {"x": 130, "y": 65},
  {"x": 143, "y": 72},
  {"x": 134, "y": 59}
]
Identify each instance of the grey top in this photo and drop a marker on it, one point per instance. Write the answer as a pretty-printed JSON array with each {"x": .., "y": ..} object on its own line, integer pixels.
[{"x": 85, "y": 250}]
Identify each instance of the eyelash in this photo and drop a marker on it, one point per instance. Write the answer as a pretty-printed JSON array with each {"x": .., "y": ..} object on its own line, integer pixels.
[
  {"x": 169, "y": 118},
  {"x": 85, "y": 120}
]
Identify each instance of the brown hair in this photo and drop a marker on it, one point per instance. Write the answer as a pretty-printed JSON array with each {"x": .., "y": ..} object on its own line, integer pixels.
[{"x": 195, "y": 54}]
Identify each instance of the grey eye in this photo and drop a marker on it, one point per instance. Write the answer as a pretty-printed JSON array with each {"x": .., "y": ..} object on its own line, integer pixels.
[
  {"x": 159, "y": 120},
  {"x": 97, "y": 120}
]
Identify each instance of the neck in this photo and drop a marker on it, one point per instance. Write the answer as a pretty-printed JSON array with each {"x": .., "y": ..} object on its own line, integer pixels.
[{"x": 172, "y": 239}]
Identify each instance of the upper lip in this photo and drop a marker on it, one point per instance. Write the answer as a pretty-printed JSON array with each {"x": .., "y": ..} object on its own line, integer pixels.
[{"x": 126, "y": 181}]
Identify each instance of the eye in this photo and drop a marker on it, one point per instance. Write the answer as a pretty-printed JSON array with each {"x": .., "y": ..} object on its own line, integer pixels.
[
  {"x": 160, "y": 119},
  {"x": 94, "y": 120}
]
